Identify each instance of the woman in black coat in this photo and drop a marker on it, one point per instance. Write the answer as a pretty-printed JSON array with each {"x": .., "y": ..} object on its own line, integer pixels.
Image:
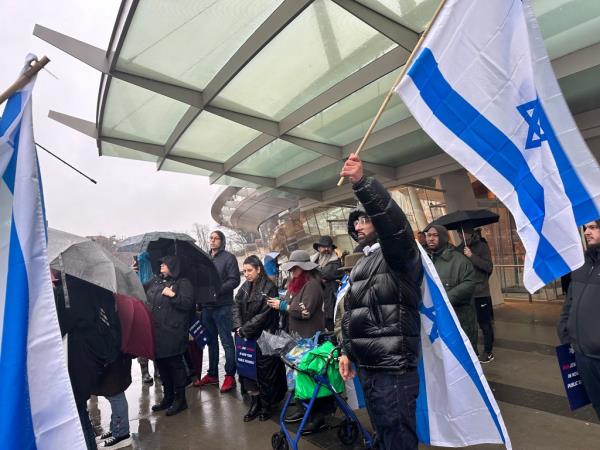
[
  {"x": 252, "y": 316},
  {"x": 171, "y": 298}
]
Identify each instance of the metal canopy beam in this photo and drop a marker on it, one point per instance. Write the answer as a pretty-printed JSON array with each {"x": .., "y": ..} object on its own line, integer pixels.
[
  {"x": 371, "y": 72},
  {"x": 83, "y": 126},
  {"x": 100, "y": 60},
  {"x": 403, "y": 36},
  {"x": 277, "y": 21}
]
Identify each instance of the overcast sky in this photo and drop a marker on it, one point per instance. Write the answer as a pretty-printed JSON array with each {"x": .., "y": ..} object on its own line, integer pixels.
[{"x": 131, "y": 197}]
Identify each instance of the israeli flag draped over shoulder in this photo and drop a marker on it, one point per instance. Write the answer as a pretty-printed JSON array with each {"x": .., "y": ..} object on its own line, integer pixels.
[
  {"x": 38, "y": 409},
  {"x": 482, "y": 87},
  {"x": 455, "y": 407}
]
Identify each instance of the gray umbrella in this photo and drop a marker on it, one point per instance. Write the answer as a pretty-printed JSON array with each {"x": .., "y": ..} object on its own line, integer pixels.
[{"x": 89, "y": 261}]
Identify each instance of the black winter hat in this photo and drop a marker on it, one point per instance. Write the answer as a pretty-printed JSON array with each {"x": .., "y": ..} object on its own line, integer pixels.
[{"x": 324, "y": 241}]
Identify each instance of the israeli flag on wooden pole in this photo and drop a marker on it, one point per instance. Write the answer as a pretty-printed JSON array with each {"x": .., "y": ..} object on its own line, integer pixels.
[
  {"x": 481, "y": 85},
  {"x": 455, "y": 407},
  {"x": 38, "y": 409}
]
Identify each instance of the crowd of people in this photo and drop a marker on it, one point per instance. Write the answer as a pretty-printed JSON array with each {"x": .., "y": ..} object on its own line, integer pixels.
[{"x": 377, "y": 323}]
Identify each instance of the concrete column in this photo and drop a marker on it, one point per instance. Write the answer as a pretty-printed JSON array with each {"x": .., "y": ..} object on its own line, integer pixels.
[
  {"x": 417, "y": 208},
  {"x": 459, "y": 195}
]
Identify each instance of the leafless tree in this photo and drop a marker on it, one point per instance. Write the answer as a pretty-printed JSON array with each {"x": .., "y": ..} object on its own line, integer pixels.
[{"x": 202, "y": 232}]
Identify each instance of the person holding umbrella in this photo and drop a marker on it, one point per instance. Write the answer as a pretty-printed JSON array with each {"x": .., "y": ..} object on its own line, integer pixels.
[
  {"x": 172, "y": 300},
  {"x": 476, "y": 249}
]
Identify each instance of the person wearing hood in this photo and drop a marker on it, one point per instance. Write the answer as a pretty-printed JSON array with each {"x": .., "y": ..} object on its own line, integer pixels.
[
  {"x": 217, "y": 315},
  {"x": 580, "y": 316},
  {"x": 476, "y": 249},
  {"x": 458, "y": 277},
  {"x": 171, "y": 299},
  {"x": 381, "y": 323},
  {"x": 328, "y": 263}
]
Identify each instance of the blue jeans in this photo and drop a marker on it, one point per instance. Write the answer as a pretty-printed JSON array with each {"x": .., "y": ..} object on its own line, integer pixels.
[
  {"x": 391, "y": 400},
  {"x": 119, "y": 417},
  {"x": 219, "y": 322}
]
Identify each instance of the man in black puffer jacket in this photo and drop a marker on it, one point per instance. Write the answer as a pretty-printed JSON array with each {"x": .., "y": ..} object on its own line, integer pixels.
[
  {"x": 381, "y": 325},
  {"x": 578, "y": 324}
]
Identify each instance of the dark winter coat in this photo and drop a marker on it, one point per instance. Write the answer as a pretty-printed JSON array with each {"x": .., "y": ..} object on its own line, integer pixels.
[
  {"x": 115, "y": 378},
  {"x": 481, "y": 259},
  {"x": 381, "y": 325},
  {"x": 579, "y": 323},
  {"x": 305, "y": 309},
  {"x": 458, "y": 277},
  {"x": 229, "y": 272},
  {"x": 250, "y": 310},
  {"x": 171, "y": 316},
  {"x": 94, "y": 333},
  {"x": 329, "y": 278},
  {"x": 253, "y": 316}
]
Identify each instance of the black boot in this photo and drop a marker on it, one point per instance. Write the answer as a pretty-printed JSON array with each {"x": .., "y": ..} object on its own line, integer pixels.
[
  {"x": 264, "y": 412},
  {"x": 294, "y": 413},
  {"x": 166, "y": 402},
  {"x": 179, "y": 404},
  {"x": 253, "y": 411}
]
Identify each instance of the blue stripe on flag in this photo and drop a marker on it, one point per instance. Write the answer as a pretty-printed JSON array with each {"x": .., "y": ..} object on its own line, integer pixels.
[
  {"x": 584, "y": 207},
  {"x": 450, "y": 334},
  {"x": 11, "y": 168},
  {"x": 360, "y": 395},
  {"x": 11, "y": 112},
  {"x": 492, "y": 145},
  {"x": 423, "y": 432},
  {"x": 16, "y": 423}
]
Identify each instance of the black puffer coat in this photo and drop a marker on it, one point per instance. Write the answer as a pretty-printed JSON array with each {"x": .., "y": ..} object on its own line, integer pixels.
[
  {"x": 580, "y": 317},
  {"x": 250, "y": 310},
  {"x": 253, "y": 316},
  {"x": 171, "y": 316},
  {"x": 381, "y": 325}
]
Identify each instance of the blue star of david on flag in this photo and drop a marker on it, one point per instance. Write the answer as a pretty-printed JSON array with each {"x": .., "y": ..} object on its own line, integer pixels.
[
  {"x": 533, "y": 114},
  {"x": 430, "y": 314}
]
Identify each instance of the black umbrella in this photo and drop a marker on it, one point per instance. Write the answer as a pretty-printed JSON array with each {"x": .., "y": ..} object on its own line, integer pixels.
[
  {"x": 196, "y": 264},
  {"x": 468, "y": 218}
]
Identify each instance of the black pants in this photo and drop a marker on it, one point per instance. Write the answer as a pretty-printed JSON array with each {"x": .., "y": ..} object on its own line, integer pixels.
[
  {"x": 391, "y": 400},
  {"x": 485, "y": 314},
  {"x": 86, "y": 426},
  {"x": 589, "y": 370},
  {"x": 173, "y": 375}
]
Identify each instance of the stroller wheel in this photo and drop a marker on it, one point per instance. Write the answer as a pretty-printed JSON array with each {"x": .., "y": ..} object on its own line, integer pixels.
[
  {"x": 348, "y": 432},
  {"x": 279, "y": 442}
]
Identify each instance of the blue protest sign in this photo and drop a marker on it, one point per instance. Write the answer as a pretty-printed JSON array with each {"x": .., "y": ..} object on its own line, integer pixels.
[
  {"x": 199, "y": 333},
  {"x": 245, "y": 355},
  {"x": 573, "y": 385}
]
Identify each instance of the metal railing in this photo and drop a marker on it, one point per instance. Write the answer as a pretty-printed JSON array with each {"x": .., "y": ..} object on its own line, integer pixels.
[{"x": 511, "y": 284}]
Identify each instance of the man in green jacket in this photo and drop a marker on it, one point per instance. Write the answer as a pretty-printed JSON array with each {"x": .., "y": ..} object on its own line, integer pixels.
[{"x": 458, "y": 277}]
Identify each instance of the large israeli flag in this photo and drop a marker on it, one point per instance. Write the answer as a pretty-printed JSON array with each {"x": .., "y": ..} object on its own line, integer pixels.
[
  {"x": 483, "y": 88},
  {"x": 38, "y": 409},
  {"x": 455, "y": 407}
]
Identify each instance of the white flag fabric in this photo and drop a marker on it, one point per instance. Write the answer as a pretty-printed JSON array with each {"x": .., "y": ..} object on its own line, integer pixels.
[
  {"x": 482, "y": 87},
  {"x": 38, "y": 409},
  {"x": 455, "y": 407}
]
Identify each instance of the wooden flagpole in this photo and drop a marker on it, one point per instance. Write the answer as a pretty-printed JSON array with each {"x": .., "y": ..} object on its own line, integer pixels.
[
  {"x": 33, "y": 69},
  {"x": 388, "y": 97}
]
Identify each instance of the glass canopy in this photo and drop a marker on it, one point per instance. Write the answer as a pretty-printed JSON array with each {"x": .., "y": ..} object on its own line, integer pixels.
[{"x": 268, "y": 96}]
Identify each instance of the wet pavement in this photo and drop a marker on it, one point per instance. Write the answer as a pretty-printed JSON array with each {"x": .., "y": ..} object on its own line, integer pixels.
[{"x": 524, "y": 377}]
